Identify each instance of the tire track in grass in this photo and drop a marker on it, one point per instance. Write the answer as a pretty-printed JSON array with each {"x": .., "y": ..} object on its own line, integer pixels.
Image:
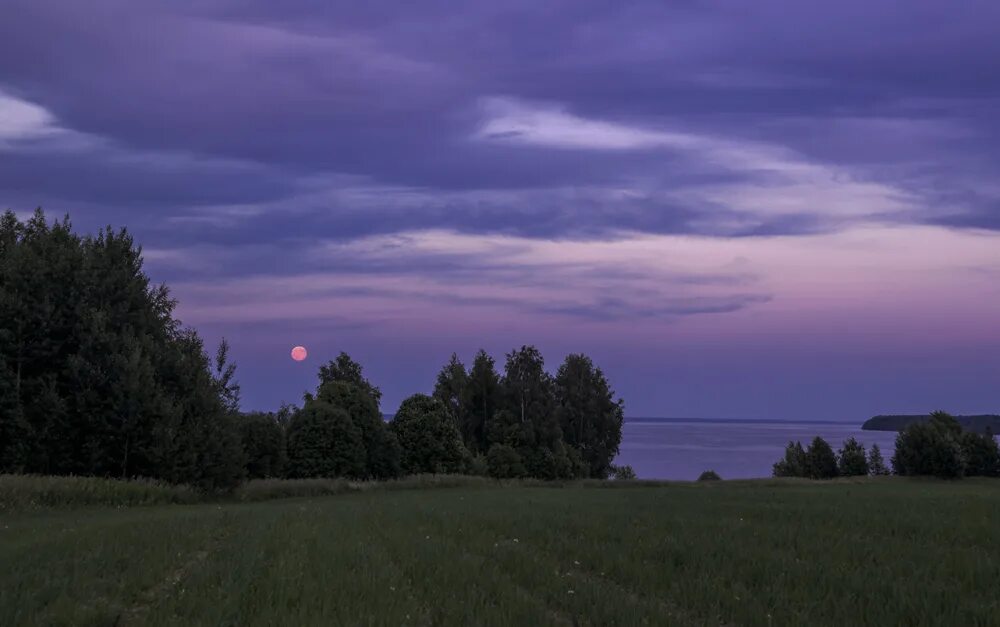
[
  {"x": 556, "y": 615},
  {"x": 402, "y": 584},
  {"x": 593, "y": 582},
  {"x": 502, "y": 585},
  {"x": 135, "y": 613}
]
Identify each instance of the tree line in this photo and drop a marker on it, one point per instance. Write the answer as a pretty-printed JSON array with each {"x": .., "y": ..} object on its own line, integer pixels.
[
  {"x": 938, "y": 447},
  {"x": 522, "y": 422},
  {"x": 98, "y": 378}
]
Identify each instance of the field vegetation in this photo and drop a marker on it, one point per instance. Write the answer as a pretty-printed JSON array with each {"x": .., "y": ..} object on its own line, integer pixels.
[{"x": 860, "y": 551}]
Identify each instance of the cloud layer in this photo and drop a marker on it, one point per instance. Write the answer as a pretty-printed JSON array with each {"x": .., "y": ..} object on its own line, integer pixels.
[{"x": 584, "y": 175}]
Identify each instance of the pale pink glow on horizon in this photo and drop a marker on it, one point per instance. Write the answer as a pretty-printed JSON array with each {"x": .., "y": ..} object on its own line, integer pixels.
[{"x": 878, "y": 281}]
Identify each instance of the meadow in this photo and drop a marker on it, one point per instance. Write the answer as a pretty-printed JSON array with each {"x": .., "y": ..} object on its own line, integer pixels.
[{"x": 882, "y": 551}]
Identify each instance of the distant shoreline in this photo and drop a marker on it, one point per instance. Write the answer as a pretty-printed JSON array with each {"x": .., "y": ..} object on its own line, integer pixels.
[
  {"x": 978, "y": 423},
  {"x": 646, "y": 419}
]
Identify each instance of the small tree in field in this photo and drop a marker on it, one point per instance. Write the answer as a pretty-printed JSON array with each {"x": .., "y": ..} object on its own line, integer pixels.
[
  {"x": 709, "y": 475},
  {"x": 324, "y": 442},
  {"x": 821, "y": 463},
  {"x": 930, "y": 448},
  {"x": 876, "y": 465},
  {"x": 852, "y": 461},
  {"x": 430, "y": 441},
  {"x": 794, "y": 462}
]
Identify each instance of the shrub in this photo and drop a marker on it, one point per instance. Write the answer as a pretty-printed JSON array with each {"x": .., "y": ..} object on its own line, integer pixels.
[
  {"x": 794, "y": 463},
  {"x": 359, "y": 399},
  {"x": 621, "y": 473},
  {"x": 982, "y": 456},
  {"x": 852, "y": 460},
  {"x": 324, "y": 442},
  {"x": 930, "y": 448},
  {"x": 428, "y": 436},
  {"x": 478, "y": 466},
  {"x": 504, "y": 462},
  {"x": 709, "y": 475}
]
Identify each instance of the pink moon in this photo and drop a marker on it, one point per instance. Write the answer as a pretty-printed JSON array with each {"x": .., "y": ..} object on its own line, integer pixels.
[{"x": 299, "y": 353}]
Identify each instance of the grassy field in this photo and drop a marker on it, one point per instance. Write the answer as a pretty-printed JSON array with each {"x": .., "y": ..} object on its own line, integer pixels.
[{"x": 888, "y": 552}]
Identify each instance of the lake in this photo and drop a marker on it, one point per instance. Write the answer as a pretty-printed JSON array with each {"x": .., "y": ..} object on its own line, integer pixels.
[{"x": 679, "y": 448}]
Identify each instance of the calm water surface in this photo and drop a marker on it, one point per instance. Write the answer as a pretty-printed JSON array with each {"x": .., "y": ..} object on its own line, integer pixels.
[{"x": 681, "y": 449}]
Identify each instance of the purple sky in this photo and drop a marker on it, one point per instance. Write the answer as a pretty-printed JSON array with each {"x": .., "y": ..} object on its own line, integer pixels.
[{"x": 771, "y": 209}]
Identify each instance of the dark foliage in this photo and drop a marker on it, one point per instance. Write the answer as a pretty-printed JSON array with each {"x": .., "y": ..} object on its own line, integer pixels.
[
  {"x": 528, "y": 394},
  {"x": 709, "y": 475},
  {"x": 852, "y": 459},
  {"x": 821, "y": 463},
  {"x": 264, "y": 444},
  {"x": 450, "y": 389},
  {"x": 323, "y": 441},
  {"x": 346, "y": 370},
  {"x": 930, "y": 448},
  {"x": 504, "y": 462},
  {"x": 98, "y": 377},
  {"x": 429, "y": 439},
  {"x": 981, "y": 454},
  {"x": 380, "y": 448},
  {"x": 794, "y": 464},
  {"x": 589, "y": 416},
  {"x": 876, "y": 464},
  {"x": 482, "y": 400}
]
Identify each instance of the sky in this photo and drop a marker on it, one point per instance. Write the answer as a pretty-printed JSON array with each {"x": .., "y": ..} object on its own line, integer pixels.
[{"x": 777, "y": 209}]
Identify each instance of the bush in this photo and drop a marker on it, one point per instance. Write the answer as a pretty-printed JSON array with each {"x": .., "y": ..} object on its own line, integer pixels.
[
  {"x": 428, "y": 436},
  {"x": 852, "y": 460},
  {"x": 478, "y": 466},
  {"x": 982, "y": 456},
  {"x": 794, "y": 463},
  {"x": 709, "y": 475},
  {"x": 930, "y": 448},
  {"x": 359, "y": 399},
  {"x": 621, "y": 473},
  {"x": 504, "y": 462},
  {"x": 324, "y": 442}
]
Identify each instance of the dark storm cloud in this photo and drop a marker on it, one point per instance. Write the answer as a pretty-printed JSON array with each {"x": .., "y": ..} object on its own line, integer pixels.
[{"x": 393, "y": 93}]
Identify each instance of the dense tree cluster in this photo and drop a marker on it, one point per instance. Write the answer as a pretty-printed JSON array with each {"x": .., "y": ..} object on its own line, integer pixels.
[
  {"x": 938, "y": 447},
  {"x": 529, "y": 423},
  {"x": 98, "y": 378},
  {"x": 818, "y": 461},
  {"x": 339, "y": 432}
]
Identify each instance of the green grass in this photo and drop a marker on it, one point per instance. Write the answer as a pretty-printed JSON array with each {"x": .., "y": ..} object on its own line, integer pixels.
[
  {"x": 886, "y": 552},
  {"x": 28, "y": 492},
  {"x": 19, "y": 493}
]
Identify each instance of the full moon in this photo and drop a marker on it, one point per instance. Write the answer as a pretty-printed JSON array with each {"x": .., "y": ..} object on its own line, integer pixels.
[{"x": 299, "y": 353}]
